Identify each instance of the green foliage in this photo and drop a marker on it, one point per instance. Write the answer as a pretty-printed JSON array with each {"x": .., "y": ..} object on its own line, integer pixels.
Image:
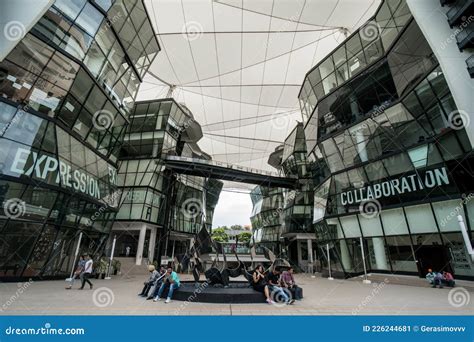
[
  {"x": 219, "y": 235},
  {"x": 244, "y": 237},
  {"x": 236, "y": 227}
]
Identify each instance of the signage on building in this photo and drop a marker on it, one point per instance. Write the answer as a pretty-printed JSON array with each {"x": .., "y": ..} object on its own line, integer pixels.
[
  {"x": 47, "y": 167},
  {"x": 393, "y": 187}
]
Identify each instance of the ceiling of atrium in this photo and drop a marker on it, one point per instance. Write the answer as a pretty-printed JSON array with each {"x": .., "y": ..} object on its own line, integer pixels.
[{"x": 238, "y": 65}]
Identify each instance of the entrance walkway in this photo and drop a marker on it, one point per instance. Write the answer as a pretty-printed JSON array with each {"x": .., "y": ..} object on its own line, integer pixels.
[{"x": 322, "y": 297}]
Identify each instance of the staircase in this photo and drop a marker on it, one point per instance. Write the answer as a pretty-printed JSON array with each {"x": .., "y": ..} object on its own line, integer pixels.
[{"x": 128, "y": 269}]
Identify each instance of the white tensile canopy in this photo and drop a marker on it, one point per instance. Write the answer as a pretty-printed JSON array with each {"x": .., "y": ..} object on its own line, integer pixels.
[{"x": 238, "y": 65}]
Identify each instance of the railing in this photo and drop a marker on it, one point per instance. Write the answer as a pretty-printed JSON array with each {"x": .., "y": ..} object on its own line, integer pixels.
[
  {"x": 224, "y": 165},
  {"x": 240, "y": 249}
]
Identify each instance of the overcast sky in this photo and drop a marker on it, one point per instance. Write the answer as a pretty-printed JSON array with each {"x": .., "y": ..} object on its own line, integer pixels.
[{"x": 232, "y": 208}]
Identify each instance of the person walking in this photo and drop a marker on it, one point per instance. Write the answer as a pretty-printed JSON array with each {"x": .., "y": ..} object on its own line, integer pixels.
[
  {"x": 87, "y": 272},
  {"x": 77, "y": 272}
]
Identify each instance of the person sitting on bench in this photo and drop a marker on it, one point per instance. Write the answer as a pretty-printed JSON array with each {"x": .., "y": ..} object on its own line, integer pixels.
[
  {"x": 259, "y": 283},
  {"x": 276, "y": 290},
  {"x": 171, "y": 280},
  {"x": 151, "y": 280},
  {"x": 287, "y": 280}
]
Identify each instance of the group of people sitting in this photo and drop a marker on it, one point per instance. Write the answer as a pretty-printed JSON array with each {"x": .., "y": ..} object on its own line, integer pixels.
[
  {"x": 276, "y": 285},
  {"x": 158, "y": 282},
  {"x": 440, "y": 278}
]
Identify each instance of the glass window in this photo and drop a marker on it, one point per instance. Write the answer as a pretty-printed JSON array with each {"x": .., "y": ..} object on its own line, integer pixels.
[
  {"x": 96, "y": 101},
  {"x": 94, "y": 59},
  {"x": 401, "y": 253},
  {"x": 90, "y": 19},
  {"x": 350, "y": 226},
  {"x": 69, "y": 110},
  {"x": 378, "y": 253},
  {"x": 27, "y": 129},
  {"x": 71, "y": 8},
  {"x": 77, "y": 42},
  {"x": 410, "y": 58},
  {"x": 394, "y": 222},
  {"x": 420, "y": 219},
  {"x": 446, "y": 213},
  {"x": 60, "y": 71},
  {"x": 370, "y": 226},
  {"x": 83, "y": 123},
  {"x": 326, "y": 67},
  {"x": 419, "y": 156},
  {"x": 81, "y": 86},
  {"x": 31, "y": 53}
]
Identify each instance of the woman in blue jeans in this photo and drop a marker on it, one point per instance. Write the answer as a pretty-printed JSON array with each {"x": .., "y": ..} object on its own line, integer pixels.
[{"x": 172, "y": 280}]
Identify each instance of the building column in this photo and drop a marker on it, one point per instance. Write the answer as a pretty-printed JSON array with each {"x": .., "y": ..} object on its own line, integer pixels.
[
  {"x": 379, "y": 252},
  {"x": 300, "y": 257},
  {"x": 345, "y": 256},
  {"x": 151, "y": 245},
  {"x": 141, "y": 243},
  {"x": 361, "y": 145},
  {"x": 310, "y": 255},
  {"x": 310, "y": 250},
  {"x": 172, "y": 252}
]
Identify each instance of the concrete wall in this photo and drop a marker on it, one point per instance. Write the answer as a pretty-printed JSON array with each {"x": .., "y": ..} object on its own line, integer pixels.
[{"x": 17, "y": 17}]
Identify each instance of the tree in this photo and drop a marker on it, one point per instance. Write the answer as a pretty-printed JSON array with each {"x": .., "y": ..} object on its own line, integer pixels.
[
  {"x": 236, "y": 227},
  {"x": 244, "y": 237},
  {"x": 219, "y": 235}
]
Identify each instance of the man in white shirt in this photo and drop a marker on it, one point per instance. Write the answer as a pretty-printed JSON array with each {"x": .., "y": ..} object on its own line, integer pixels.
[{"x": 87, "y": 272}]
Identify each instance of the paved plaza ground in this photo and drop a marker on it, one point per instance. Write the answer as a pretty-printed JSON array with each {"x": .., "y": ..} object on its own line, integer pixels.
[{"x": 118, "y": 296}]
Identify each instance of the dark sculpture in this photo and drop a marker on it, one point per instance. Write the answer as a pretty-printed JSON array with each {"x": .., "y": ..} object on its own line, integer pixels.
[{"x": 219, "y": 274}]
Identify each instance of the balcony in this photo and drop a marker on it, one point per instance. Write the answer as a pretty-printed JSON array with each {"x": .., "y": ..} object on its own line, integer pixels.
[
  {"x": 458, "y": 10},
  {"x": 470, "y": 65},
  {"x": 465, "y": 37}
]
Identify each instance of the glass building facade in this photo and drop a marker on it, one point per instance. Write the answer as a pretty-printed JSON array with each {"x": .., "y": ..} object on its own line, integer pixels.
[
  {"x": 66, "y": 91},
  {"x": 391, "y": 166},
  {"x": 160, "y": 210},
  {"x": 282, "y": 218}
]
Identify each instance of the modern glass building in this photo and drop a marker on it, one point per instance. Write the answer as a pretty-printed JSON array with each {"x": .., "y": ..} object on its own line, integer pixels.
[
  {"x": 160, "y": 210},
  {"x": 67, "y": 89},
  {"x": 389, "y": 147},
  {"x": 282, "y": 218}
]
